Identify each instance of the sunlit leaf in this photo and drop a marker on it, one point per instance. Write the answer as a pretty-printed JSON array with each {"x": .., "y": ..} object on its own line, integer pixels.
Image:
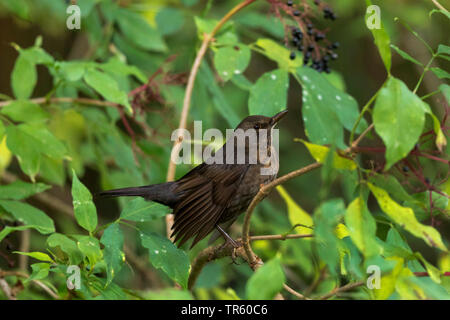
[
  {"x": 112, "y": 239},
  {"x": 297, "y": 216},
  {"x": 320, "y": 153},
  {"x": 406, "y": 219}
]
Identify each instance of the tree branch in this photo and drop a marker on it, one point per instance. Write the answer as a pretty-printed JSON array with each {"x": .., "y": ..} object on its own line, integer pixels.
[
  {"x": 44, "y": 100},
  {"x": 263, "y": 192}
]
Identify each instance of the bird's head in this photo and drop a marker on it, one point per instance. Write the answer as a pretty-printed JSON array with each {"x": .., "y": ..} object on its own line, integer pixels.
[{"x": 261, "y": 122}]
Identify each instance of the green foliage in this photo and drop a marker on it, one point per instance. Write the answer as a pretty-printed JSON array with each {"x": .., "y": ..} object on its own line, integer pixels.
[{"x": 103, "y": 112}]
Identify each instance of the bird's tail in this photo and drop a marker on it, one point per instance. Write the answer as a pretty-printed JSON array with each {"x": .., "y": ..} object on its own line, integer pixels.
[{"x": 162, "y": 193}]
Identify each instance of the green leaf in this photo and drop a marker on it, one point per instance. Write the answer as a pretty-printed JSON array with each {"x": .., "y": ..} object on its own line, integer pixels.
[
  {"x": 443, "y": 49},
  {"x": 90, "y": 247},
  {"x": 231, "y": 60},
  {"x": 297, "y": 216},
  {"x": 382, "y": 41},
  {"x": 141, "y": 210},
  {"x": 326, "y": 218},
  {"x": 169, "y": 294},
  {"x": 220, "y": 102},
  {"x": 107, "y": 87},
  {"x": 268, "y": 95},
  {"x": 36, "y": 255},
  {"x": 40, "y": 271},
  {"x": 138, "y": 31},
  {"x": 29, "y": 216},
  {"x": 117, "y": 67},
  {"x": 112, "y": 239},
  {"x": 406, "y": 55},
  {"x": 362, "y": 227},
  {"x": 441, "y": 74},
  {"x": 67, "y": 245},
  {"x": 326, "y": 109},
  {"x": 435, "y": 273},
  {"x": 23, "y": 78},
  {"x": 406, "y": 219},
  {"x": 18, "y": 190},
  {"x": 166, "y": 256},
  {"x": 274, "y": 51},
  {"x": 84, "y": 208},
  {"x": 320, "y": 154},
  {"x": 7, "y": 230},
  {"x": 399, "y": 118},
  {"x": 24, "y": 111},
  {"x": 266, "y": 282},
  {"x": 73, "y": 70},
  {"x": 176, "y": 18},
  {"x": 445, "y": 89}
]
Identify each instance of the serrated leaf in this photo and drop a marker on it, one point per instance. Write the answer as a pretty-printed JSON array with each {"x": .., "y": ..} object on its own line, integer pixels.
[
  {"x": 296, "y": 214},
  {"x": 18, "y": 190},
  {"x": 84, "y": 208},
  {"x": 67, "y": 245},
  {"x": 320, "y": 154},
  {"x": 29, "y": 216},
  {"x": 164, "y": 255},
  {"x": 231, "y": 60},
  {"x": 114, "y": 257},
  {"x": 268, "y": 95},
  {"x": 107, "y": 87},
  {"x": 399, "y": 118},
  {"x": 362, "y": 227},
  {"x": 266, "y": 282},
  {"x": 36, "y": 255},
  {"x": 141, "y": 210},
  {"x": 406, "y": 219}
]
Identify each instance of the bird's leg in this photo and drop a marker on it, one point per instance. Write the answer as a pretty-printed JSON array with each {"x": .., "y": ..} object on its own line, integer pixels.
[{"x": 229, "y": 240}]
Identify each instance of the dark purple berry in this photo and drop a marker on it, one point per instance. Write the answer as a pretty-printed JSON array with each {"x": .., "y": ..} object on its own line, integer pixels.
[
  {"x": 292, "y": 55},
  {"x": 290, "y": 3},
  {"x": 310, "y": 47},
  {"x": 335, "y": 45},
  {"x": 405, "y": 169},
  {"x": 334, "y": 56},
  {"x": 296, "y": 13}
]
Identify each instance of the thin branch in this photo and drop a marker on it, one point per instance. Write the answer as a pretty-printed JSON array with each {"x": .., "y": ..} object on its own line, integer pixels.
[
  {"x": 7, "y": 289},
  {"x": 295, "y": 293},
  {"x": 440, "y": 6},
  {"x": 44, "y": 100},
  {"x": 26, "y": 276},
  {"x": 338, "y": 290},
  {"x": 188, "y": 94},
  {"x": 263, "y": 192}
]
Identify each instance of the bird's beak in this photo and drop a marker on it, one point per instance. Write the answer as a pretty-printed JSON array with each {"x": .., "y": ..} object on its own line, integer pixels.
[{"x": 278, "y": 117}]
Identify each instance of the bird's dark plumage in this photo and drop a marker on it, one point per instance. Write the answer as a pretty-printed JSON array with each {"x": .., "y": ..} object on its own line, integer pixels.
[{"x": 213, "y": 194}]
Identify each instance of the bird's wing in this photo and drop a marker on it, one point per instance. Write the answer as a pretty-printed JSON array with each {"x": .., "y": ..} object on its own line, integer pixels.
[{"x": 207, "y": 191}]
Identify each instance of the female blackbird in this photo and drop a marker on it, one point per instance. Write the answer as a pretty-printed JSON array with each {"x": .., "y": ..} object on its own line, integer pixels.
[{"x": 212, "y": 195}]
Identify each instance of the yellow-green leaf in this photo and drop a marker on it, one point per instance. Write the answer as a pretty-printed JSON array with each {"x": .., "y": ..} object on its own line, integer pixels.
[
  {"x": 405, "y": 218},
  {"x": 319, "y": 153},
  {"x": 36, "y": 255},
  {"x": 362, "y": 227},
  {"x": 297, "y": 216}
]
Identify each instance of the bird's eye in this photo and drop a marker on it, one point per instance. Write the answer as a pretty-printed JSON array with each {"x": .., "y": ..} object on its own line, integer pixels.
[{"x": 256, "y": 127}]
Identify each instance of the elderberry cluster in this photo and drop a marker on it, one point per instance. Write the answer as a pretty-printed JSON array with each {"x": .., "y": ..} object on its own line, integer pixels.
[{"x": 317, "y": 50}]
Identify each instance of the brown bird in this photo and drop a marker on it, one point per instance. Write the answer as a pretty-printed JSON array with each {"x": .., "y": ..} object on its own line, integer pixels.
[{"x": 212, "y": 195}]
